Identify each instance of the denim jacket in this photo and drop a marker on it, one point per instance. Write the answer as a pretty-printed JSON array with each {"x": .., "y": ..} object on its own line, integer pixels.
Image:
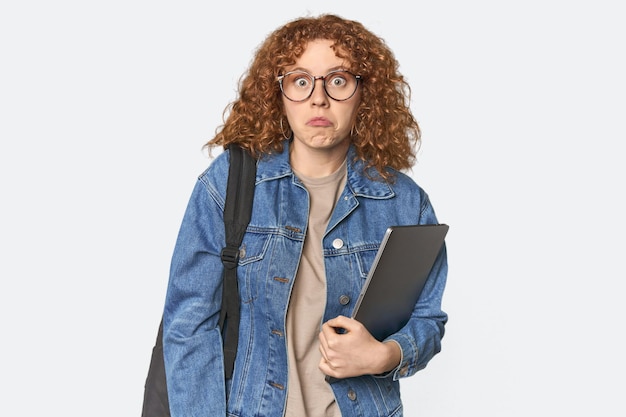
[{"x": 269, "y": 258}]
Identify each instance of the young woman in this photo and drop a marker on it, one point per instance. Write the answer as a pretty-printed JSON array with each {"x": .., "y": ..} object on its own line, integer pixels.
[{"x": 326, "y": 113}]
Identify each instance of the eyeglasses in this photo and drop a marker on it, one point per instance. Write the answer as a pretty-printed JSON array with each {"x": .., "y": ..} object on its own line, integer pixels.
[{"x": 339, "y": 85}]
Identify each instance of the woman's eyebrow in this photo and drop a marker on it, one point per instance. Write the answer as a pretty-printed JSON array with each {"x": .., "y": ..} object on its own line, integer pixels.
[{"x": 338, "y": 67}]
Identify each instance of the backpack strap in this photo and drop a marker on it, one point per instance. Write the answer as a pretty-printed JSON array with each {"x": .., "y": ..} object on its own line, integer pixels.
[{"x": 237, "y": 213}]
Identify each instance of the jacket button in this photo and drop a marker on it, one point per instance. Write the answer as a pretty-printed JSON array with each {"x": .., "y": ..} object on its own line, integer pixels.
[
  {"x": 337, "y": 243},
  {"x": 352, "y": 395},
  {"x": 344, "y": 299}
]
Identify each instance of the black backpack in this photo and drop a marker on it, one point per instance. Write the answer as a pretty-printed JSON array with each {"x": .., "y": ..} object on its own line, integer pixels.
[{"x": 237, "y": 212}]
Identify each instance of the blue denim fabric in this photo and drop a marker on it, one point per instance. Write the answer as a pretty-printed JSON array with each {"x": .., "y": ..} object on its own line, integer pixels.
[{"x": 269, "y": 259}]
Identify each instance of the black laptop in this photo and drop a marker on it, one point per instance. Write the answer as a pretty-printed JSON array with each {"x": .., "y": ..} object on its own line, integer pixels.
[{"x": 397, "y": 276}]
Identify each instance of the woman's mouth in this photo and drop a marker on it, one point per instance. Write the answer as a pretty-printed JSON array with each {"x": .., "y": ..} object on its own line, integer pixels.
[{"x": 319, "y": 122}]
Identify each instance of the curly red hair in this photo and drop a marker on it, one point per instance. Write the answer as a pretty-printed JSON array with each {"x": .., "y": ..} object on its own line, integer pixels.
[{"x": 385, "y": 133}]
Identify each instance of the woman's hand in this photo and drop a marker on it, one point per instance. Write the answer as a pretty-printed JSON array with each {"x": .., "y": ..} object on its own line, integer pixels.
[{"x": 353, "y": 351}]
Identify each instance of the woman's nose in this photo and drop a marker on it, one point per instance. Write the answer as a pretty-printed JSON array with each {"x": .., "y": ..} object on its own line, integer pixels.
[{"x": 319, "y": 96}]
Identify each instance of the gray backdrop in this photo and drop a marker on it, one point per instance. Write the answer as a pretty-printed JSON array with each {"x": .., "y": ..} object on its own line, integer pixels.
[{"x": 104, "y": 107}]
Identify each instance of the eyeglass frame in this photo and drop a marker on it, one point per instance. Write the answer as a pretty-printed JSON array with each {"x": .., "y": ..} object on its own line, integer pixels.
[{"x": 280, "y": 79}]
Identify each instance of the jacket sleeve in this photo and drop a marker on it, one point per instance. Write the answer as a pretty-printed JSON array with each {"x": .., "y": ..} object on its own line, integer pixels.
[
  {"x": 420, "y": 338},
  {"x": 192, "y": 343}
]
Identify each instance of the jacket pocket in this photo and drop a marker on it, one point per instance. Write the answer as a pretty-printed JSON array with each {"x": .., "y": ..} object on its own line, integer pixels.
[
  {"x": 253, "y": 250},
  {"x": 253, "y": 247},
  {"x": 365, "y": 259}
]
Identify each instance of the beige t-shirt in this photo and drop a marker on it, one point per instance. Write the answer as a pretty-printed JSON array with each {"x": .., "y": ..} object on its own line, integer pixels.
[{"x": 308, "y": 393}]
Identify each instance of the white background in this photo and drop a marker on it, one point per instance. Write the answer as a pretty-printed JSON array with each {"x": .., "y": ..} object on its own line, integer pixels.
[{"x": 104, "y": 108}]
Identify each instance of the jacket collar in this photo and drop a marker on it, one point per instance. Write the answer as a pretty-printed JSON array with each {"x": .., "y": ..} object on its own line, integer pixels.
[{"x": 276, "y": 165}]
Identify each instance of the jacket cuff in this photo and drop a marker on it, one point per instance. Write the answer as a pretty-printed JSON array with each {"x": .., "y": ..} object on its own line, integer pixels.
[{"x": 408, "y": 359}]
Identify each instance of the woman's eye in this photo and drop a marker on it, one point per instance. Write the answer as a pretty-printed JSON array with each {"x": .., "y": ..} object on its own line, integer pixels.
[
  {"x": 338, "y": 81},
  {"x": 302, "y": 82}
]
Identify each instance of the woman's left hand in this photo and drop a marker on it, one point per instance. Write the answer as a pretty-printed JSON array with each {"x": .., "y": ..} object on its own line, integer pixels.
[{"x": 353, "y": 351}]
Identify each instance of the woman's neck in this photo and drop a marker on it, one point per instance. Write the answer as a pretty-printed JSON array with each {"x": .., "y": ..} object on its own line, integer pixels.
[{"x": 316, "y": 163}]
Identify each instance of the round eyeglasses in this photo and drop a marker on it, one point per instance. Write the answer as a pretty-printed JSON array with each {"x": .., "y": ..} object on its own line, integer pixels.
[{"x": 339, "y": 85}]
